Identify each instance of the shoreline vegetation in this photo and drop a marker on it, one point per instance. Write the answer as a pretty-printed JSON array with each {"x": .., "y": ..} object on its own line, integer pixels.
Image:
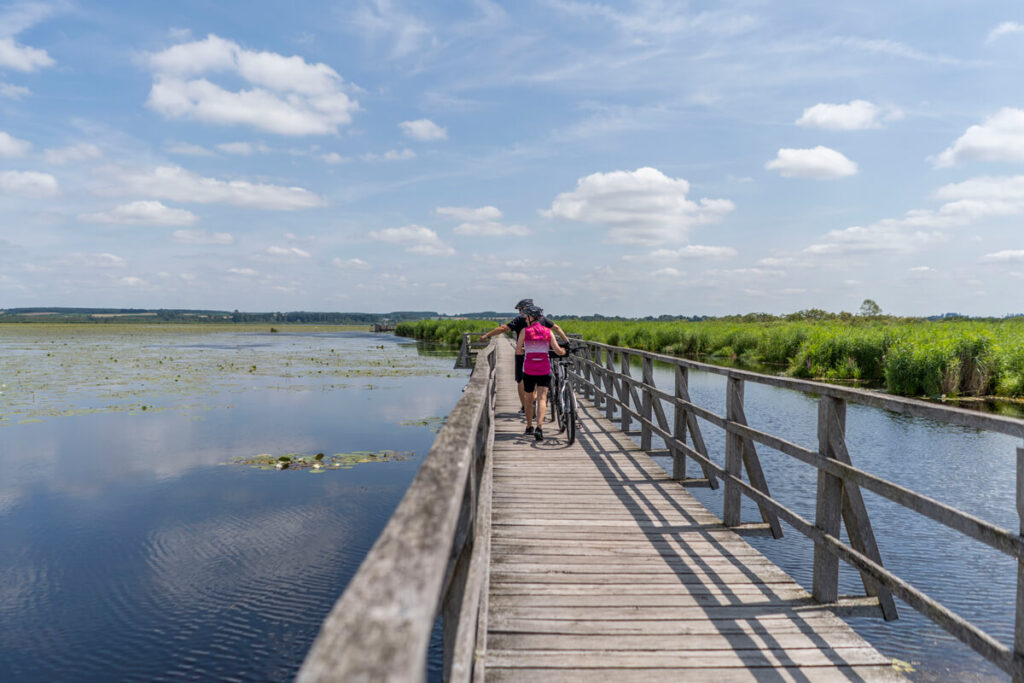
[{"x": 949, "y": 358}]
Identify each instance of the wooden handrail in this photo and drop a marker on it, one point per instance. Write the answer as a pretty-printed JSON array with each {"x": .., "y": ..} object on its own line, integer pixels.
[
  {"x": 430, "y": 559},
  {"x": 838, "y": 496},
  {"x": 897, "y": 404}
]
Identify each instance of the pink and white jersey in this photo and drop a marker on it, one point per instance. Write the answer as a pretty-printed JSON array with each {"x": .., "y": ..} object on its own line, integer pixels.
[{"x": 536, "y": 342}]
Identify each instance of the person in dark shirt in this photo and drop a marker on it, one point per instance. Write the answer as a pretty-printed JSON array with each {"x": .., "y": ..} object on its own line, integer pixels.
[{"x": 515, "y": 326}]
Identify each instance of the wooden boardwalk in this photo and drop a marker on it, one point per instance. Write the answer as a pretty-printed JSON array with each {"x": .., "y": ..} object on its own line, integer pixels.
[{"x": 603, "y": 569}]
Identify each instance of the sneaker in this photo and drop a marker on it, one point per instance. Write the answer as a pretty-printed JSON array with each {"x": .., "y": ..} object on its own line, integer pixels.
[
  {"x": 529, "y": 430},
  {"x": 538, "y": 434},
  {"x": 522, "y": 411}
]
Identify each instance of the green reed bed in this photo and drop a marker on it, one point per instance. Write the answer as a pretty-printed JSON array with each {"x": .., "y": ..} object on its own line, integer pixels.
[
  {"x": 905, "y": 356},
  {"x": 910, "y": 357},
  {"x": 447, "y": 331}
]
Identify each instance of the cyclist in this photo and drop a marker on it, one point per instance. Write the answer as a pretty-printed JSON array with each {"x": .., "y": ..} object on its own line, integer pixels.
[
  {"x": 516, "y": 325},
  {"x": 534, "y": 341}
]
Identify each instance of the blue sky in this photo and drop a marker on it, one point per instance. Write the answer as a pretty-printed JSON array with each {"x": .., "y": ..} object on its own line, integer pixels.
[{"x": 628, "y": 158}]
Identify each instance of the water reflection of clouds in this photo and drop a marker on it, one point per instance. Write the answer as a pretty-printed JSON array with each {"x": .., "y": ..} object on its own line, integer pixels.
[{"x": 233, "y": 554}]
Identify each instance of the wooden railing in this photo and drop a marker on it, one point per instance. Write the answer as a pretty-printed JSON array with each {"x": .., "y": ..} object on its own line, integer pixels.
[
  {"x": 430, "y": 560},
  {"x": 838, "y": 501},
  {"x": 468, "y": 349}
]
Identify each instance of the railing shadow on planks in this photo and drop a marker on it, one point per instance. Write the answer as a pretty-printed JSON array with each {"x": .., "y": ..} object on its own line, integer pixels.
[{"x": 432, "y": 557}]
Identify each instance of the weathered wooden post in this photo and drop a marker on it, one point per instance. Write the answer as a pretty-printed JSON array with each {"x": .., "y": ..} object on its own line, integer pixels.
[
  {"x": 625, "y": 420},
  {"x": 1018, "y": 631},
  {"x": 646, "y": 404},
  {"x": 828, "y": 509},
  {"x": 609, "y": 385},
  {"x": 733, "y": 452},
  {"x": 679, "y": 423}
]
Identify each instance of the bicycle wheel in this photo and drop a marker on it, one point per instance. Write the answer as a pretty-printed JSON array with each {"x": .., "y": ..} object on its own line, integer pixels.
[
  {"x": 554, "y": 397},
  {"x": 569, "y": 416}
]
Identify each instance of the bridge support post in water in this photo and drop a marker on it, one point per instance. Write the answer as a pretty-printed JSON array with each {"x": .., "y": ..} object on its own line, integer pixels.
[{"x": 828, "y": 509}]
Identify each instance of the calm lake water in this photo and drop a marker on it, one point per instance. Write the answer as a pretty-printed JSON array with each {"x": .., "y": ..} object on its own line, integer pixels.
[
  {"x": 134, "y": 546},
  {"x": 966, "y": 468}
]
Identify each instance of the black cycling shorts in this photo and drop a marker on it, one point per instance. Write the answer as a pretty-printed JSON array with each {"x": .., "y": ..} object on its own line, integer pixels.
[
  {"x": 519, "y": 368},
  {"x": 531, "y": 382}
]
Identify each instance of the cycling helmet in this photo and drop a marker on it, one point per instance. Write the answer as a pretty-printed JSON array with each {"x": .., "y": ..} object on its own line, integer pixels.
[
  {"x": 534, "y": 311},
  {"x": 524, "y": 303}
]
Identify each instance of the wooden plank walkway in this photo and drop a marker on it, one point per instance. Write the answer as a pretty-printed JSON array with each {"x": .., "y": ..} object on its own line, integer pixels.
[{"x": 603, "y": 569}]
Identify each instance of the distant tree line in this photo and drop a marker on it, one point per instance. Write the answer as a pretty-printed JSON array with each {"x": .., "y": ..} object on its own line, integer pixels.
[{"x": 99, "y": 315}]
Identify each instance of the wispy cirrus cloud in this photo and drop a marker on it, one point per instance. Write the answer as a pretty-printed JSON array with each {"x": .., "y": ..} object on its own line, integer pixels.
[
  {"x": 1004, "y": 29},
  {"x": 202, "y": 237},
  {"x": 690, "y": 251},
  {"x": 288, "y": 95},
  {"x": 83, "y": 151},
  {"x": 178, "y": 184}
]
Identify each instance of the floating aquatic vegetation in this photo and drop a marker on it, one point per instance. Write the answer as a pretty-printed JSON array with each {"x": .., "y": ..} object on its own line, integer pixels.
[
  {"x": 319, "y": 462},
  {"x": 434, "y": 423},
  {"x": 53, "y": 370}
]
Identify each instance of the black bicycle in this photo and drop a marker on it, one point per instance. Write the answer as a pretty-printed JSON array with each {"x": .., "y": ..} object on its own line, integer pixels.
[{"x": 564, "y": 407}]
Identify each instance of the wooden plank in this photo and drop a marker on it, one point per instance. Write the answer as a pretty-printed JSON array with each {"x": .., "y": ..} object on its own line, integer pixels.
[
  {"x": 595, "y": 542},
  {"x": 834, "y": 674},
  {"x": 747, "y": 659},
  {"x": 711, "y": 641}
]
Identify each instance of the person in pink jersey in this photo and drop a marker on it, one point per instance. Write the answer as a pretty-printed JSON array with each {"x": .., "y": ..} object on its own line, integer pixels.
[{"x": 534, "y": 341}]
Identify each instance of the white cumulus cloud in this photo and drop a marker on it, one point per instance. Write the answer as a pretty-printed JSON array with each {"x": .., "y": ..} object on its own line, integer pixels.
[
  {"x": 416, "y": 239},
  {"x": 241, "y": 148},
  {"x": 202, "y": 237},
  {"x": 999, "y": 138},
  {"x": 13, "y": 147},
  {"x": 423, "y": 130},
  {"x": 142, "y": 213},
  {"x": 819, "y": 163},
  {"x": 21, "y": 57},
  {"x": 857, "y": 115},
  {"x": 639, "y": 207},
  {"x": 350, "y": 264},
  {"x": 178, "y": 184},
  {"x": 1005, "y": 256},
  {"x": 690, "y": 251},
  {"x": 288, "y": 95},
  {"x": 31, "y": 184},
  {"x": 482, "y": 221},
  {"x": 462, "y": 213},
  {"x": 288, "y": 252}
]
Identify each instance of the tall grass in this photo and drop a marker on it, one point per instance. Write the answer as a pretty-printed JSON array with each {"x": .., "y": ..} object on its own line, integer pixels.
[
  {"x": 447, "y": 331},
  {"x": 910, "y": 357}
]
